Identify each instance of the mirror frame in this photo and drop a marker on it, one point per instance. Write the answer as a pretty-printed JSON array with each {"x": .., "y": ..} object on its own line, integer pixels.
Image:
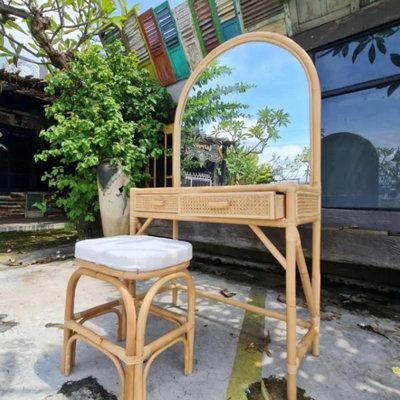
[{"x": 313, "y": 89}]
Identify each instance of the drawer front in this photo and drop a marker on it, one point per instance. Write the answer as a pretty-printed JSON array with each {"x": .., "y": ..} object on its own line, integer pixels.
[
  {"x": 264, "y": 205},
  {"x": 156, "y": 203}
]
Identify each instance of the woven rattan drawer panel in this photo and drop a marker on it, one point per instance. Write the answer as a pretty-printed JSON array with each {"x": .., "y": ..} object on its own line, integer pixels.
[
  {"x": 307, "y": 204},
  {"x": 156, "y": 203},
  {"x": 264, "y": 205}
]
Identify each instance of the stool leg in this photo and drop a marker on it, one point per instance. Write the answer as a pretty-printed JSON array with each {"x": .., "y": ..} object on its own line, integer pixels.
[
  {"x": 129, "y": 383},
  {"x": 174, "y": 294},
  {"x": 130, "y": 285},
  {"x": 121, "y": 333},
  {"x": 68, "y": 358},
  {"x": 188, "y": 349},
  {"x": 140, "y": 373},
  {"x": 189, "y": 339},
  {"x": 139, "y": 386}
]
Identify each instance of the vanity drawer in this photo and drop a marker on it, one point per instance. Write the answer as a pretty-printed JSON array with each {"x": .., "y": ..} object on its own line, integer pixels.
[
  {"x": 156, "y": 203},
  {"x": 260, "y": 205}
]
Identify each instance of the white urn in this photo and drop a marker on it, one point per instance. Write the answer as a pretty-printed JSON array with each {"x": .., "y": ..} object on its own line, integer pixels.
[{"x": 114, "y": 205}]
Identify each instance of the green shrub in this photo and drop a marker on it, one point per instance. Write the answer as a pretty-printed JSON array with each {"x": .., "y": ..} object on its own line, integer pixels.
[{"x": 105, "y": 109}]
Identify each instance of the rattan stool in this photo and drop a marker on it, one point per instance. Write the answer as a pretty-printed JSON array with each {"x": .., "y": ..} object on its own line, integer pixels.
[{"x": 121, "y": 261}]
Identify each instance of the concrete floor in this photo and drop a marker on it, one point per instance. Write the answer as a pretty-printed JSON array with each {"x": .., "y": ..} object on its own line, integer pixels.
[{"x": 360, "y": 342}]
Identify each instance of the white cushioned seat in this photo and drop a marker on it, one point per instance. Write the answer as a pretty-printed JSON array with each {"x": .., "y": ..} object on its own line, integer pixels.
[{"x": 134, "y": 253}]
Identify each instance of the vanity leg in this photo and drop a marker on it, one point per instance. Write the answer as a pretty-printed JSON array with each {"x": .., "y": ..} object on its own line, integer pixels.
[
  {"x": 316, "y": 281},
  {"x": 175, "y": 236},
  {"x": 291, "y": 235}
]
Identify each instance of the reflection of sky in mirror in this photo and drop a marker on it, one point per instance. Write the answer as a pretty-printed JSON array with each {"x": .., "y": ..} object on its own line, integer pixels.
[
  {"x": 337, "y": 68},
  {"x": 370, "y": 113},
  {"x": 280, "y": 84}
]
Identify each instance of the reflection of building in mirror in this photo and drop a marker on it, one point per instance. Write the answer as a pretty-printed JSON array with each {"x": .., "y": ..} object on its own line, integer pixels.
[{"x": 204, "y": 160}]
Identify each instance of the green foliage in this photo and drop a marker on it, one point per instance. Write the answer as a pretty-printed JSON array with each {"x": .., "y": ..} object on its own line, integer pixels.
[
  {"x": 244, "y": 168},
  {"x": 50, "y": 32},
  {"x": 207, "y": 104},
  {"x": 41, "y": 206},
  {"x": 106, "y": 109},
  {"x": 252, "y": 138}
]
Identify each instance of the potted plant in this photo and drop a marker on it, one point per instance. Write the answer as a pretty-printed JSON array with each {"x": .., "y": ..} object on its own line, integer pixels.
[{"x": 106, "y": 118}]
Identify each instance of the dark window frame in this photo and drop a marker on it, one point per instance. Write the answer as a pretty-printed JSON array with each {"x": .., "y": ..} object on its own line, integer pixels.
[
  {"x": 356, "y": 88},
  {"x": 362, "y": 85}
]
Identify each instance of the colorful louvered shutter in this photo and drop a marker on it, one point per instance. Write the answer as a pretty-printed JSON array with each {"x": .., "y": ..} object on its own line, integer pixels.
[
  {"x": 206, "y": 23},
  {"x": 255, "y": 12},
  {"x": 229, "y": 18},
  {"x": 170, "y": 37},
  {"x": 110, "y": 35},
  {"x": 134, "y": 42},
  {"x": 157, "y": 51},
  {"x": 187, "y": 32}
]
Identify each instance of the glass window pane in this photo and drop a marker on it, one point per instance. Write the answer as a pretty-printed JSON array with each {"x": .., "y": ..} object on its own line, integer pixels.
[
  {"x": 169, "y": 166},
  {"x": 360, "y": 149},
  {"x": 371, "y": 57},
  {"x": 169, "y": 141}
]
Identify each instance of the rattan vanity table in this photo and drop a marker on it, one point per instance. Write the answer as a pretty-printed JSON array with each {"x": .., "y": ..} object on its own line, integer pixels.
[{"x": 280, "y": 205}]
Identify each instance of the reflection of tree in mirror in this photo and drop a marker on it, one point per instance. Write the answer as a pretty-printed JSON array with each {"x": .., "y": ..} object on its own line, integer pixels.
[
  {"x": 292, "y": 169},
  {"x": 389, "y": 173},
  {"x": 248, "y": 142},
  {"x": 236, "y": 138},
  {"x": 205, "y": 105},
  {"x": 372, "y": 43}
]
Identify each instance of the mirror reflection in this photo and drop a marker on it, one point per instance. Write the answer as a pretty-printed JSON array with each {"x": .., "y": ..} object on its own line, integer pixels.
[{"x": 246, "y": 120}]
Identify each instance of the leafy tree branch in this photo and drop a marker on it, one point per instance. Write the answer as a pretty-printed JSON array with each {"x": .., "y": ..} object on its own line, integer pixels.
[{"x": 53, "y": 31}]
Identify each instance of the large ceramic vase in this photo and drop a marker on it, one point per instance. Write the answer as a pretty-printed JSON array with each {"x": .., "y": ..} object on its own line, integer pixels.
[{"x": 114, "y": 209}]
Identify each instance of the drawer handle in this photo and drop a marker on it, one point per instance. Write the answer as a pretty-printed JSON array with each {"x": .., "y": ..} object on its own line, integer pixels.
[
  {"x": 158, "y": 203},
  {"x": 218, "y": 205}
]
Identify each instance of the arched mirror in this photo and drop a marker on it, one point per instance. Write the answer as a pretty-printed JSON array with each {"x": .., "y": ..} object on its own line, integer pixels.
[{"x": 245, "y": 116}]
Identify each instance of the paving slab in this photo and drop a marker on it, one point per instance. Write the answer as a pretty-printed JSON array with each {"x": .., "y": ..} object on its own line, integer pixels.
[{"x": 233, "y": 350}]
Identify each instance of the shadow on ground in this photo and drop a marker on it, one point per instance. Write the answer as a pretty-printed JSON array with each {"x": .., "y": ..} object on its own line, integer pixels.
[
  {"x": 272, "y": 388},
  {"x": 84, "y": 389}
]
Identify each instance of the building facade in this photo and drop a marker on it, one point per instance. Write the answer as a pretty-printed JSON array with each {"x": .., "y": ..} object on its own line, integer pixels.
[
  {"x": 22, "y": 102},
  {"x": 355, "y": 45}
]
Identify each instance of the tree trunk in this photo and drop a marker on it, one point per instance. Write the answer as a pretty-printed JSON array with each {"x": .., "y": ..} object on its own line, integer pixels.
[{"x": 38, "y": 24}]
